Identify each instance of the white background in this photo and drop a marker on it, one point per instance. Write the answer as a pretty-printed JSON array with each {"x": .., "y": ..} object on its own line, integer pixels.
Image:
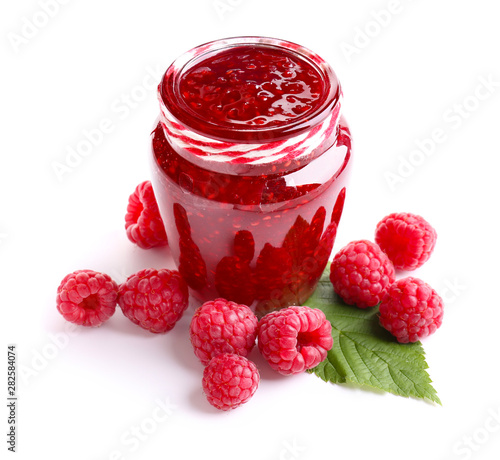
[{"x": 120, "y": 392}]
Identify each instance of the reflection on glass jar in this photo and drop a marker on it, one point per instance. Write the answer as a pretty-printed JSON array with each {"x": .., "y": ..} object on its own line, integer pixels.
[{"x": 251, "y": 182}]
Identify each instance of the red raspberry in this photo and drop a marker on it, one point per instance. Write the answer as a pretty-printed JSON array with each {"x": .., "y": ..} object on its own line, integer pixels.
[
  {"x": 411, "y": 310},
  {"x": 406, "y": 238},
  {"x": 229, "y": 381},
  {"x": 360, "y": 273},
  {"x": 143, "y": 221},
  {"x": 154, "y": 299},
  {"x": 221, "y": 326},
  {"x": 87, "y": 297},
  {"x": 294, "y": 339}
]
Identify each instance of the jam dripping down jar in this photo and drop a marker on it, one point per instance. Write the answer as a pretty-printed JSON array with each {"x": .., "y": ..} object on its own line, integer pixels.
[{"x": 250, "y": 160}]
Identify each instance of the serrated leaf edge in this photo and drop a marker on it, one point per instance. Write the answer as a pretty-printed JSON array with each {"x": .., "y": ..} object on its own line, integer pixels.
[{"x": 421, "y": 392}]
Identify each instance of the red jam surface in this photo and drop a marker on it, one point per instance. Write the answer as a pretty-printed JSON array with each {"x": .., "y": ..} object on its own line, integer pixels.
[
  {"x": 252, "y": 86},
  {"x": 250, "y": 92}
]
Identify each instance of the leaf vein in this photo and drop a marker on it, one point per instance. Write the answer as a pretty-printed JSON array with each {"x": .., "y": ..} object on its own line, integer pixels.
[{"x": 364, "y": 353}]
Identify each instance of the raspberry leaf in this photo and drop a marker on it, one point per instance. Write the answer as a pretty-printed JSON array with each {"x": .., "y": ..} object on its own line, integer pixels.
[{"x": 364, "y": 353}]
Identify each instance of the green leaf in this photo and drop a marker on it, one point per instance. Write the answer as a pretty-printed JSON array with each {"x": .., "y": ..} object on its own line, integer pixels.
[{"x": 365, "y": 353}]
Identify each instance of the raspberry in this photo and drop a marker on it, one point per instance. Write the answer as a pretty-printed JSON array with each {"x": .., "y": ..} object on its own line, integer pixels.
[
  {"x": 294, "y": 339},
  {"x": 407, "y": 239},
  {"x": 221, "y": 326},
  {"x": 411, "y": 310},
  {"x": 360, "y": 273},
  {"x": 229, "y": 381},
  {"x": 143, "y": 221},
  {"x": 154, "y": 299},
  {"x": 87, "y": 297}
]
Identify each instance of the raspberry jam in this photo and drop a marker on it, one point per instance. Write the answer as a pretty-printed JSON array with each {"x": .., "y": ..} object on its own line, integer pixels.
[
  {"x": 251, "y": 87},
  {"x": 250, "y": 158}
]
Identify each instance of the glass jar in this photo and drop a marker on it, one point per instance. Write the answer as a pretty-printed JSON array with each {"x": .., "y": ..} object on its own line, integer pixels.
[{"x": 250, "y": 162}]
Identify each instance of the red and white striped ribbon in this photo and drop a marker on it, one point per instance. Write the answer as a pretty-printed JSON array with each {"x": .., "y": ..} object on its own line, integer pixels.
[{"x": 183, "y": 139}]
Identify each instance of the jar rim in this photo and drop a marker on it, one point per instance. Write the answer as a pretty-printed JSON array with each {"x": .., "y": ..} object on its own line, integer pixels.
[{"x": 168, "y": 91}]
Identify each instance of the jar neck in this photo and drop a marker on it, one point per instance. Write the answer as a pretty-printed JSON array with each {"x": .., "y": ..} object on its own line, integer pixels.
[
  {"x": 250, "y": 151},
  {"x": 250, "y": 158}
]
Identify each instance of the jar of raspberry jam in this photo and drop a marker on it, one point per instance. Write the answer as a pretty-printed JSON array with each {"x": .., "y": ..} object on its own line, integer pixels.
[{"x": 250, "y": 162}]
